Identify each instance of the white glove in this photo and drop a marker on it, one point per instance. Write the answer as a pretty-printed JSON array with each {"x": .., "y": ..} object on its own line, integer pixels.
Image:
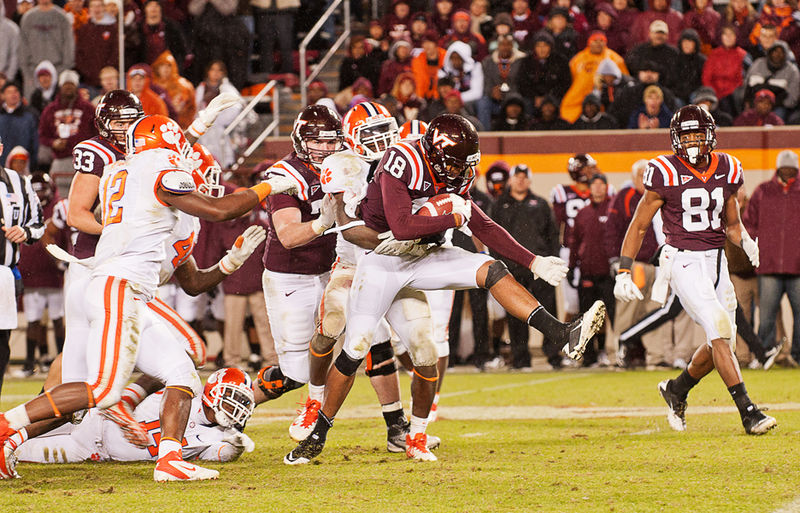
[
  {"x": 750, "y": 248},
  {"x": 550, "y": 269},
  {"x": 281, "y": 185},
  {"x": 327, "y": 215},
  {"x": 625, "y": 289},
  {"x": 239, "y": 440},
  {"x": 461, "y": 207},
  {"x": 244, "y": 246},
  {"x": 206, "y": 117},
  {"x": 393, "y": 247}
]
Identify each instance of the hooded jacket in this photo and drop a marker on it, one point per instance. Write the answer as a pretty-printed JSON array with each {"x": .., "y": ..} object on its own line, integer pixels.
[
  {"x": 707, "y": 23},
  {"x": 543, "y": 77},
  {"x": 18, "y": 152},
  {"x": 391, "y": 68},
  {"x": 19, "y": 128},
  {"x": 426, "y": 75},
  {"x": 783, "y": 81},
  {"x": 690, "y": 66},
  {"x": 151, "y": 102},
  {"x": 41, "y": 97},
  {"x": 179, "y": 90},
  {"x": 468, "y": 80},
  {"x": 583, "y": 67},
  {"x": 723, "y": 70}
]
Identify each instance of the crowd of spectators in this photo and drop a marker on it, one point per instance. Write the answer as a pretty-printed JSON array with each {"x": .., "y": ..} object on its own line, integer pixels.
[{"x": 583, "y": 65}]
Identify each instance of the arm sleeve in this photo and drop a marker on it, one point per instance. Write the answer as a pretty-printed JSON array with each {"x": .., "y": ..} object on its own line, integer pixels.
[
  {"x": 498, "y": 239},
  {"x": 405, "y": 225},
  {"x": 34, "y": 221}
]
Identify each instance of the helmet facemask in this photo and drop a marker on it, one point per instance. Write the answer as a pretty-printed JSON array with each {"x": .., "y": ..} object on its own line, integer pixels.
[
  {"x": 210, "y": 186},
  {"x": 232, "y": 404},
  {"x": 373, "y": 139},
  {"x": 696, "y": 150}
]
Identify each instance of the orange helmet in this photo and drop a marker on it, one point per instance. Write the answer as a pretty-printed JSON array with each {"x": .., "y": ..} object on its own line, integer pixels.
[
  {"x": 206, "y": 171},
  {"x": 413, "y": 129},
  {"x": 229, "y": 393},
  {"x": 369, "y": 130},
  {"x": 156, "y": 131}
]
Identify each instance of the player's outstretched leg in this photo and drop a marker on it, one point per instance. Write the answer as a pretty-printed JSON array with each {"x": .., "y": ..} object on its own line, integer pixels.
[{"x": 320, "y": 354}]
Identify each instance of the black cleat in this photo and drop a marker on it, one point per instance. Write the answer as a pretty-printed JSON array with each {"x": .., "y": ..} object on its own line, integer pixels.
[
  {"x": 583, "y": 329},
  {"x": 676, "y": 414},
  {"x": 755, "y": 422},
  {"x": 306, "y": 450}
]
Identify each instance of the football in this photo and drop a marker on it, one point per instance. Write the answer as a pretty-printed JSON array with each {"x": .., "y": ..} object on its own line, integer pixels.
[{"x": 439, "y": 205}]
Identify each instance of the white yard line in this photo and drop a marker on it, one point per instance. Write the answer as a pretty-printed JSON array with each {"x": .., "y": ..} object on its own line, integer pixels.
[{"x": 792, "y": 507}]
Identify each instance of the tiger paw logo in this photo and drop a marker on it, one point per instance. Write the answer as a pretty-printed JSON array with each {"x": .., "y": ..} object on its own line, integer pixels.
[
  {"x": 326, "y": 177},
  {"x": 171, "y": 133}
]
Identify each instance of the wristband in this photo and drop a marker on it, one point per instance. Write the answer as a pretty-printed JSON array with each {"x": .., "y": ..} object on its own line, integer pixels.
[
  {"x": 227, "y": 267},
  {"x": 318, "y": 226},
  {"x": 197, "y": 128},
  {"x": 262, "y": 190},
  {"x": 625, "y": 264}
]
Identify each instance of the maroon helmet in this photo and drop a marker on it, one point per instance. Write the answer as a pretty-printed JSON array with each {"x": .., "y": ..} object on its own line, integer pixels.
[
  {"x": 43, "y": 186},
  {"x": 117, "y": 105},
  {"x": 320, "y": 124},
  {"x": 576, "y": 166},
  {"x": 452, "y": 147},
  {"x": 689, "y": 119}
]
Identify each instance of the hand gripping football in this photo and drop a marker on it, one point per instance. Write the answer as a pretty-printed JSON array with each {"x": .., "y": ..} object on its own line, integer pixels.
[{"x": 445, "y": 205}]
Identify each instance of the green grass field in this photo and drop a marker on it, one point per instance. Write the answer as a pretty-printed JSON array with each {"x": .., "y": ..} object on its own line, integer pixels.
[{"x": 561, "y": 442}]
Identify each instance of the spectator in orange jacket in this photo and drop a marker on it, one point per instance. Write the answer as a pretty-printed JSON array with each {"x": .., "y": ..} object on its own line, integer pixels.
[
  {"x": 583, "y": 68},
  {"x": 138, "y": 81},
  {"x": 179, "y": 90},
  {"x": 426, "y": 66}
]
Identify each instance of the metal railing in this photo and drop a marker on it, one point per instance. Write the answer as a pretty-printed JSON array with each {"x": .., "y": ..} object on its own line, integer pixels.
[
  {"x": 305, "y": 77},
  {"x": 273, "y": 126}
]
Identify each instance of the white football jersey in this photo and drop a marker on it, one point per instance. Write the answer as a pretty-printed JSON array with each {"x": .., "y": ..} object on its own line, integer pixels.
[
  {"x": 180, "y": 245},
  {"x": 345, "y": 172},
  {"x": 136, "y": 224}
]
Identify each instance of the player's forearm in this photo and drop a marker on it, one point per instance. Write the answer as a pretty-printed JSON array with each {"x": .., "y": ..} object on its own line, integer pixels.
[
  {"x": 405, "y": 225},
  {"x": 362, "y": 236},
  {"x": 296, "y": 234},
  {"x": 631, "y": 245},
  {"x": 83, "y": 220},
  {"x": 200, "y": 280},
  {"x": 199, "y": 205}
]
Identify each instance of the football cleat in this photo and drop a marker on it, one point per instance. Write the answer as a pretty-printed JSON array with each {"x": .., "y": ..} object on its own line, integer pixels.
[
  {"x": 772, "y": 354},
  {"x": 583, "y": 329},
  {"x": 122, "y": 415},
  {"x": 755, "y": 422},
  {"x": 306, "y": 450},
  {"x": 396, "y": 438},
  {"x": 8, "y": 462},
  {"x": 5, "y": 429},
  {"x": 417, "y": 448},
  {"x": 676, "y": 412},
  {"x": 172, "y": 467},
  {"x": 305, "y": 421}
]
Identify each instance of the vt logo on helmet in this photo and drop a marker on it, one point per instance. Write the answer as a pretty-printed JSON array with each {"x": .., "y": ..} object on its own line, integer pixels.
[{"x": 452, "y": 148}]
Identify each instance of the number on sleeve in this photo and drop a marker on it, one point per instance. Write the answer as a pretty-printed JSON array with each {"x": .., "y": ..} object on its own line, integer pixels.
[
  {"x": 116, "y": 186},
  {"x": 395, "y": 164},
  {"x": 83, "y": 161},
  {"x": 183, "y": 248}
]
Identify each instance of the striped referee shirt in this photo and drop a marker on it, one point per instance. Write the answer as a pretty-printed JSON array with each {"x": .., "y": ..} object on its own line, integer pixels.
[{"x": 19, "y": 206}]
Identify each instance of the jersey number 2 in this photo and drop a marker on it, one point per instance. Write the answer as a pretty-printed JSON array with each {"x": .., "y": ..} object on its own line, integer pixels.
[{"x": 115, "y": 186}]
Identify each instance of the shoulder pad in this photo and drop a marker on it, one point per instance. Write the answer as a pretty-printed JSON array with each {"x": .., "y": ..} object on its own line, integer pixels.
[
  {"x": 177, "y": 181},
  {"x": 343, "y": 171}
]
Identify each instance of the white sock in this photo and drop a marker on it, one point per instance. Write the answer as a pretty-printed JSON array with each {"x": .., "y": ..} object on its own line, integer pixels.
[
  {"x": 18, "y": 438},
  {"x": 17, "y": 417},
  {"x": 418, "y": 425},
  {"x": 166, "y": 446},
  {"x": 386, "y": 408},
  {"x": 133, "y": 395},
  {"x": 435, "y": 401},
  {"x": 316, "y": 392}
]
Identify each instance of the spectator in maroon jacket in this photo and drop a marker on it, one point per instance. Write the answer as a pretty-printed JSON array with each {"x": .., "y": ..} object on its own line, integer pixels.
[
  {"x": 44, "y": 282},
  {"x": 761, "y": 114},
  {"x": 96, "y": 44},
  {"x": 741, "y": 15},
  {"x": 659, "y": 10},
  {"x": 441, "y": 21},
  {"x": 161, "y": 34},
  {"x": 589, "y": 255},
  {"x": 243, "y": 294},
  {"x": 397, "y": 24},
  {"x": 399, "y": 61},
  {"x": 626, "y": 17},
  {"x": 705, "y": 20},
  {"x": 66, "y": 121},
  {"x": 723, "y": 69},
  {"x": 460, "y": 31},
  {"x": 606, "y": 22},
  {"x": 419, "y": 27},
  {"x": 779, "y": 269},
  {"x": 525, "y": 21}
]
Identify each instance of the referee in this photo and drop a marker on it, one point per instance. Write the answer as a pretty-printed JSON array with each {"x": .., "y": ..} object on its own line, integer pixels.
[{"x": 20, "y": 221}]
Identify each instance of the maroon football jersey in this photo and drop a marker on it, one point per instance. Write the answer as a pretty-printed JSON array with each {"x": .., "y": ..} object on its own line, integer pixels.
[
  {"x": 37, "y": 267},
  {"x": 317, "y": 256},
  {"x": 694, "y": 201},
  {"x": 406, "y": 162},
  {"x": 92, "y": 156}
]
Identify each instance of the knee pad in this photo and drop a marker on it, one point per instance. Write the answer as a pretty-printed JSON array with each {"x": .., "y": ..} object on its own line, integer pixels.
[
  {"x": 333, "y": 306},
  {"x": 497, "y": 271},
  {"x": 380, "y": 361},
  {"x": 347, "y": 365},
  {"x": 273, "y": 383}
]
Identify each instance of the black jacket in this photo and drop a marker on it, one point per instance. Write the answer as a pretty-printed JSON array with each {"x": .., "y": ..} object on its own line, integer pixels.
[
  {"x": 530, "y": 221},
  {"x": 551, "y": 76}
]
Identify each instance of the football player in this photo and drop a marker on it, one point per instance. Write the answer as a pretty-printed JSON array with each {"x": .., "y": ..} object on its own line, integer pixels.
[
  {"x": 139, "y": 199},
  {"x": 409, "y": 173},
  {"x": 214, "y": 432},
  {"x": 298, "y": 258},
  {"x": 369, "y": 130},
  {"x": 695, "y": 189}
]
